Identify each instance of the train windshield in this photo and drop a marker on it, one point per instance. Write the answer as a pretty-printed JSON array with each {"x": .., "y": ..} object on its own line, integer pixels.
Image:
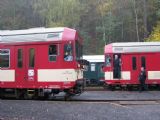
[
  {"x": 78, "y": 51},
  {"x": 68, "y": 52},
  {"x": 108, "y": 60}
]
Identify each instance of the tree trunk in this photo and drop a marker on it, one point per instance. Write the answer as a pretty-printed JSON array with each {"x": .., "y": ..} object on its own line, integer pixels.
[
  {"x": 122, "y": 32},
  {"x": 136, "y": 20},
  {"x": 145, "y": 19}
]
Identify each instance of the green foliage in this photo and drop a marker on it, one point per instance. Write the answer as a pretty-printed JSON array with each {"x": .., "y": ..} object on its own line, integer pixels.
[{"x": 59, "y": 12}]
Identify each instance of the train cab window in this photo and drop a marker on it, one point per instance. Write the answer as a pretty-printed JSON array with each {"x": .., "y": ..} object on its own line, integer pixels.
[
  {"x": 78, "y": 50},
  {"x": 4, "y": 58},
  {"x": 31, "y": 57},
  {"x": 134, "y": 63},
  {"x": 108, "y": 60},
  {"x": 20, "y": 61},
  {"x": 68, "y": 52},
  {"x": 93, "y": 67},
  {"x": 52, "y": 52},
  {"x": 143, "y": 62}
]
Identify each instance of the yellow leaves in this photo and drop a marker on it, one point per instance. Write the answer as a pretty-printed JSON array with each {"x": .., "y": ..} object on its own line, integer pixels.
[
  {"x": 103, "y": 7},
  {"x": 155, "y": 35}
]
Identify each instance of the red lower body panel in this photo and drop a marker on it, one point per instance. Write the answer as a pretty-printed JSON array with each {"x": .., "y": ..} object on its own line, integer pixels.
[{"x": 36, "y": 85}]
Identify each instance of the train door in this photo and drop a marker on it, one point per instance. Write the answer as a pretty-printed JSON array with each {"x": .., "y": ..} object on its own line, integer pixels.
[
  {"x": 30, "y": 64},
  {"x": 25, "y": 65},
  {"x": 20, "y": 66},
  {"x": 138, "y": 61},
  {"x": 117, "y": 66}
]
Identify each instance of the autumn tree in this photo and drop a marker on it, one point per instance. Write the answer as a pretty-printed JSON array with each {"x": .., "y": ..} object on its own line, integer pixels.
[{"x": 155, "y": 35}]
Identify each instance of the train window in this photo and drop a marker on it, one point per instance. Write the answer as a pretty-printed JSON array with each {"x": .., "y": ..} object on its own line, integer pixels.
[
  {"x": 143, "y": 62},
  {"x": 93, "y": 67},
  {"x": 68, "y": 52},
  {"x": 19, "y": 62},
  {"x": 4, "y": 58},
  {"x": 78, "y": 50},
  {"x": 134, "y": 63},
  {"x": 108, "y": 60},
  {"x": 31, "y": 57},
  {"x": 52, "y": 51}
]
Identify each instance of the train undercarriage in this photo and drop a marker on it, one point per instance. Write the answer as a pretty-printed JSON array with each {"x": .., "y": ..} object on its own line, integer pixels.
[{"x": 40, "y": 93}]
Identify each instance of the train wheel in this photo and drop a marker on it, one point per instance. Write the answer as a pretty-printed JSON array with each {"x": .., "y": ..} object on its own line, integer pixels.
[
  {"x": 46, "y": 95},
  {"x": 35, "y": 95},
  {"x": 18, "y": 94},
  {"x": 67, "y": 97},
  {"x": 1, "y": 94},
  {"x": 129, "y": 88},
  {"x": 157, "y": 85},
  {"x": 25, "y": 94},
  {"x": 105, "y": 86},
  {"x": 111, "y": 87}
]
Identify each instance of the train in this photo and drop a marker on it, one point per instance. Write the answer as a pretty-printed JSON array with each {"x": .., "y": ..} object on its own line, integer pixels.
[
  {"x": 39, "y": 62},
  {"x": 94, "y": 74},
  {"x": 132, "y": 56}
]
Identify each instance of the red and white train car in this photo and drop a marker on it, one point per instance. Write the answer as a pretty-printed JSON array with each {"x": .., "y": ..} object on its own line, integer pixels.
[
  {"x": 41, "y": 60},
  {"x": 132, "y": 57}
]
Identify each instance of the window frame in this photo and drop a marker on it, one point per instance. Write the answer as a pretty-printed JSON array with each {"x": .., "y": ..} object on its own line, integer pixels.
[
  {"x": 134, "y": 63},
  {"x": 30, "y": 65},
  {"x": 53, "y": 55},
  {"x": 143, "y": 61},
  {"x": 72, "y": 51},
  {"x": 108, "y": 57},
  {"x": 79, "y": 50},
  {"x": 91, "y": 67},
  {"x": 9, "y": 53},
  {"x": 18, "y": 58}
]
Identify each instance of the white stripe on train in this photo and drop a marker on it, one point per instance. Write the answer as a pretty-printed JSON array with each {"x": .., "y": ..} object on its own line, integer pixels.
[
  {"x": 46, "y": 75},
  {"x": 126, "y": 75}
]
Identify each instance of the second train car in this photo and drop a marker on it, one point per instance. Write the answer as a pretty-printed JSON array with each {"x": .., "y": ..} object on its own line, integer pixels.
[{"x": 132, "y": 56}]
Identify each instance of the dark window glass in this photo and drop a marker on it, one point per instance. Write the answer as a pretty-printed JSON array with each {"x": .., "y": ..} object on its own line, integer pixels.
[
  {"x": 117, "y": 66},
  {"x": 108, "y": 60},
  {"x": 20, "y": 62},
  {"x": 4, "y": 58},
  {"x": 31, "y": 57},
  {"x": 52, "y": 52},
  {"x": 134, "y": 63},
  {"x": 78, "y": 51},
  {"x": 68, "y": 52},
  {"x": 53, "y": 35},
  {"x": 143, "y": 62}
]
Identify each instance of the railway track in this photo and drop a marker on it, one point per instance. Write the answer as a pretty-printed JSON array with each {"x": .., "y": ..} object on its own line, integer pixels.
[
  {"x": 105, "y": 88},
  {"x": 121, "y": 102},
  {"x": 101, "y": 95},
  {"x": 96, "y": 88}
]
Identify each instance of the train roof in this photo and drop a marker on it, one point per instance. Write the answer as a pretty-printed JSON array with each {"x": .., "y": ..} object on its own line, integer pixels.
[
  {"x": 34, "y": 34},
  {"x": 132, "y": 47},
  {"x": 94, "y": 58}
]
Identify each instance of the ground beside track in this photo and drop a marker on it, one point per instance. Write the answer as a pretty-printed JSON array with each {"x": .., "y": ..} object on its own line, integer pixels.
[
  {"x": 117, "y": 95},
  {"x": 91, "y": 105},
  {"x": 61, "y": 110}
]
